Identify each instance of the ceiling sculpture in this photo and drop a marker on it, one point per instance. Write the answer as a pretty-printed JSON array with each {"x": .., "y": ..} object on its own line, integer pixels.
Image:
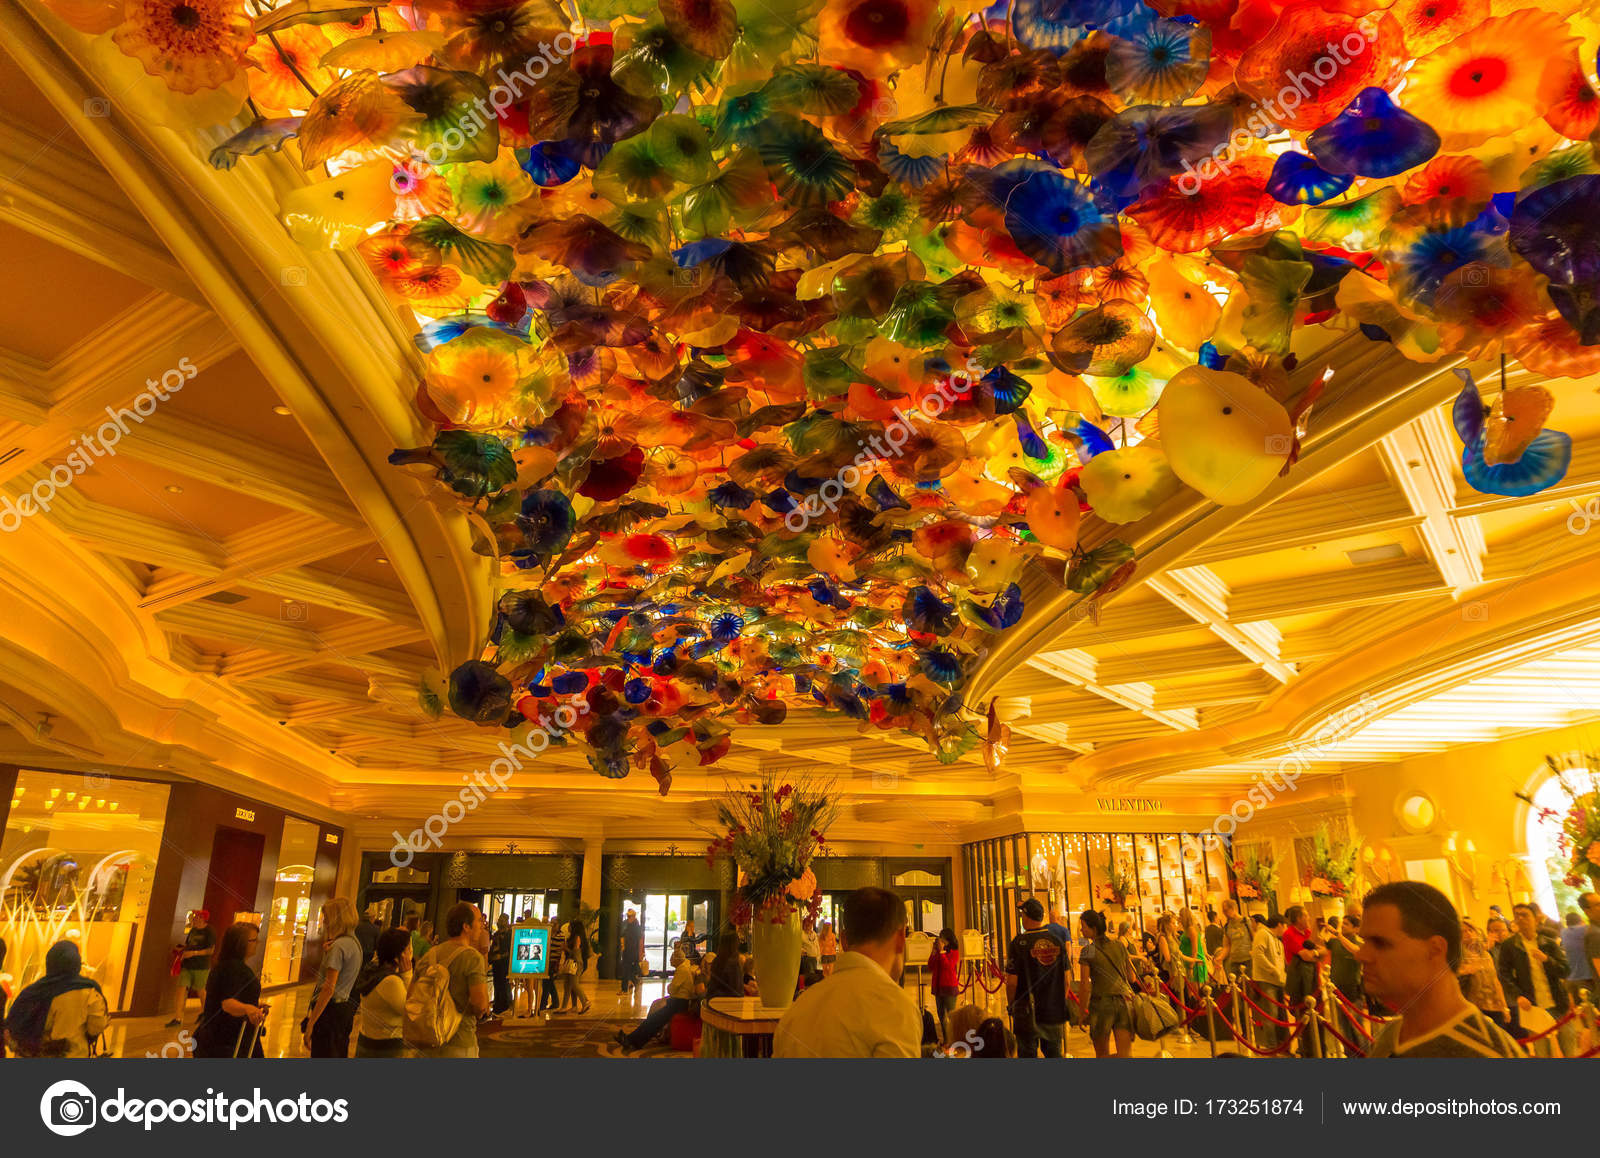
[{"x": 782, "y": 352}]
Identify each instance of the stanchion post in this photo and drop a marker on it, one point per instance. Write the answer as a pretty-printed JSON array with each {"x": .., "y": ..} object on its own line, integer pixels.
[
  {"x": 1243, "y": 1011},
  {"x": 1211, "y": 1019},
  {"x": 1313, "y": 1025}
]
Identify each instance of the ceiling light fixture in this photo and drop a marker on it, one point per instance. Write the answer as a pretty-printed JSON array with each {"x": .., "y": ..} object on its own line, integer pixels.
[
  {"x": 174, "y": 489},
  {"x": 282, "y": 411}
]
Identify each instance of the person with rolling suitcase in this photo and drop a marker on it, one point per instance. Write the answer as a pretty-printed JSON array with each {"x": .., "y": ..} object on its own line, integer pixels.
[{"x": 231, "y": 1020}]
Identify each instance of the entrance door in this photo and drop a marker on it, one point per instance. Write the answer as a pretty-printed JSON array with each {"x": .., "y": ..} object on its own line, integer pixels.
[{"x": 663, "y": 915}]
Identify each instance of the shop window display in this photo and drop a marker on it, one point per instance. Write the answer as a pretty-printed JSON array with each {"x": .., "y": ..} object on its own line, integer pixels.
[
  {"x": 76, "y": 864},
  {"x": 289, "y": 914}
]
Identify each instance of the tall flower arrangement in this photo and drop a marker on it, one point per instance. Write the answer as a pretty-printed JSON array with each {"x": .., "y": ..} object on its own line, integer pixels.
[
  {"x": 1257, "y": 876},
  {"x": 1579, "y": 840},
  {"x": 1333, "y": 864},
  {"x": 1118, "y": 885},
  {"x": 772, "y": 830}
]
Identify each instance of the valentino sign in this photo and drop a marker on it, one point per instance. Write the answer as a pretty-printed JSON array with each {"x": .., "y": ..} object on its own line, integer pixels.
[{"x": 1128, "y": 804}]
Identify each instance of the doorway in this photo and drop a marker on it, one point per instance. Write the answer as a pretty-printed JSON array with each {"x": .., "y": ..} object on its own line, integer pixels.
[
  {"x": 234, "y": 875},
  {"x": 664, "y": 917}
]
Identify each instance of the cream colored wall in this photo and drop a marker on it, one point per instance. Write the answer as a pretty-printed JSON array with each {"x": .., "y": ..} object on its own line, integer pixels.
[{"x": 1473, "y": 789}]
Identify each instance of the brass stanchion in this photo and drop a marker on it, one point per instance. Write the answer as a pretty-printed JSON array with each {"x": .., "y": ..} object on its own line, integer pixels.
[
  {"x": 1313, "y": 1026},
  {"x": 1240, "y": 1011},
  {"x": 1211, "y": 1019}
]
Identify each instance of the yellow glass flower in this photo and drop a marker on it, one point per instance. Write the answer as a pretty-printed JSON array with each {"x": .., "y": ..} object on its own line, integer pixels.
[{"x": 477, "y": 379}]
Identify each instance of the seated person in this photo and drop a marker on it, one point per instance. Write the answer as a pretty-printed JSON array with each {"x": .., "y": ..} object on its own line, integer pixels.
[{"x": 682, "y": 992}]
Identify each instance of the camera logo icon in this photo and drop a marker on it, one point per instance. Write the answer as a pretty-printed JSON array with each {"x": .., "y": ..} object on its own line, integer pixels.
[
  {"x": 292, "y": 275},
  {"x": 884, "y": 781},
  {"x": 1475, "y": 612},
  {"x": 1279, "y": 444},
  {"x": 68, "y": 1108},
  {"x": 96, "y": 107},
  {"x": 293, "y": 611}
]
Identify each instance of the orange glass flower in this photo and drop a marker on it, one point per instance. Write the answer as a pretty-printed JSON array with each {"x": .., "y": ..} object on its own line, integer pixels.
[
  {"x": 1315, "y": 61},
  {"x": 190, "y": 44},
  {"x": 877, "y": 37},
  {"x": 297, "y": 51},
  {"x": 1491, "y": 81}
]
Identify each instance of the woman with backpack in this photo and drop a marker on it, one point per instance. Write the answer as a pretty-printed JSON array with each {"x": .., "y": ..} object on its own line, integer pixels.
[
  {"x": 573, "y": 963},
  {"x": 327, "y": 1027},
  {"x": 60, "y": 1014},
  {"x": 1104, "y": 987},
  {"x": 381, "y": 990},
  {"x": 231, "y": 1019}
]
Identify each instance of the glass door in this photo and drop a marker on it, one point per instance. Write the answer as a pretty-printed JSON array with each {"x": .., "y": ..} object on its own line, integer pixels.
[{"x": 663, "y": 915}]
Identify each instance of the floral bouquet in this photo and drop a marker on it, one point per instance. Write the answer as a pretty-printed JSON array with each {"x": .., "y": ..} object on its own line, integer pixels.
[
  {"x": 772, "y": 831},
  {"x": 1118, "y": 885},
  {"x": 1257, "y": 876},
  {"x": 1579, "y": 840},
  {"x": 1333, "y": 865}
]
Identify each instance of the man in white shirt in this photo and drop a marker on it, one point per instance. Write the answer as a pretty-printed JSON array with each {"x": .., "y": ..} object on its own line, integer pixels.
[
  {"x": 861, "y": 1010},
  {"x": 1268, "y": 972}
]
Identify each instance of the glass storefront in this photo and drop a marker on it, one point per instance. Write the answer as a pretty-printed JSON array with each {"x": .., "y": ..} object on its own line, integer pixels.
[
  {"x": 288, "y": 917},
  {"x": 1144, "y": 874},
  {"x": 76, "y": 863}
]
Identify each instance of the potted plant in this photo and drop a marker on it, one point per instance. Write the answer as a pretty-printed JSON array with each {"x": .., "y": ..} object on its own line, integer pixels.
[
  {"x": 1257, "y": 879},
  {"x": 1332, "y": 871},
  {"x": 772, "y": 831}
]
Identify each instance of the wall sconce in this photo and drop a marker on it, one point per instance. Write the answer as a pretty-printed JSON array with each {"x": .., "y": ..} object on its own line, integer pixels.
[{"x": 1463, "y": 862}]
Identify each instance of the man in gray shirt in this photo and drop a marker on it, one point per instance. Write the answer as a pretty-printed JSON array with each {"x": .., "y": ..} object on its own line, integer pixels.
[{"x": 463, "y": 958}]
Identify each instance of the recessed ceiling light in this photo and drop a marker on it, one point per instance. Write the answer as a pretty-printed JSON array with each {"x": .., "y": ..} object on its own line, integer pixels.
[
  {"x": 282, "y": 411},
  {"x": 174, "y": 489},
  {"x": 382, "y": 560}
]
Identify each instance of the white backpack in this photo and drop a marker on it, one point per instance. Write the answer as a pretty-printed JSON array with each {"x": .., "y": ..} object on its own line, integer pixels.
[{"x": 431, "y": 1014}]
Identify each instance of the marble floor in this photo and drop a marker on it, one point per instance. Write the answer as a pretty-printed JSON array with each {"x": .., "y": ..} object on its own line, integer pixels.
[{"x": 560, "y": 1035}]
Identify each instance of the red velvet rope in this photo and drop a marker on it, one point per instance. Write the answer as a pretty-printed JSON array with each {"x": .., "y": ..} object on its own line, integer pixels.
[
  {"x": 1543, "y": 1033},
  {"x": 1282, "y": 1047},
  {"x": 1348, "y": 1044},
  {"x": 1355, "y": 1015},
  {"x": 1595, "y": 1052},
  {"x": 1264, "y": 1013},
  {"x": 1260, "y": 992}
]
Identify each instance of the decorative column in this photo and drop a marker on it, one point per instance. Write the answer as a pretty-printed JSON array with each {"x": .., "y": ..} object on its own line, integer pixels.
[{"x": 590, "y": 892}]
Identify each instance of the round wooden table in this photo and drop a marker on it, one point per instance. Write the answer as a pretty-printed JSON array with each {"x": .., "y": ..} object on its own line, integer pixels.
[{"x": 737, "y": 1027}]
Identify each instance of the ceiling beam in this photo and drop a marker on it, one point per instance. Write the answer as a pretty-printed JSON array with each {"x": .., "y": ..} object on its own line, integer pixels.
[
  {"x": 276, "y": 545},
  {"x": 64, "y": 198},
  {"x": 1347, "y": 587},
  {"x": 1308, "y": 520},
  {"x": 1078, "y": 668},
  {"x": 1421, "y": 458},
  {"x": 1199, "y": 592},
  {"x": 241, "y": 464}
]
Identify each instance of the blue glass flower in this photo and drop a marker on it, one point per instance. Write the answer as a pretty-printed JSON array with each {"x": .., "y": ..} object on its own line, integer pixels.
[
  {"x": 547, "y": 520},
  {"x": 884, "y": 495},
  {"x": 1556, "y": 229},
  {"x": 1543, "y": 464},
  {"x": 1006, "y": 389},
  {"x": 924, "y": 611},
  {"x": 1055, "y": 221},
  {"x": 940, "y": 666},
  {"x": 913, "y": 171},
  {"x": 1373, "y": 137},
  {"x": 1298, "y": 180},
  {"x": 547, "y": 166},
  {"x": 570, "y": 683},
  {"x": 478, "y": 692},
  {"x": 727, "y": 627}
]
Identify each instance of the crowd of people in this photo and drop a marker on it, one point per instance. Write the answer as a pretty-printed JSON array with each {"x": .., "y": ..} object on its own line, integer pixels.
[{"x": 1406, "y": 976}]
